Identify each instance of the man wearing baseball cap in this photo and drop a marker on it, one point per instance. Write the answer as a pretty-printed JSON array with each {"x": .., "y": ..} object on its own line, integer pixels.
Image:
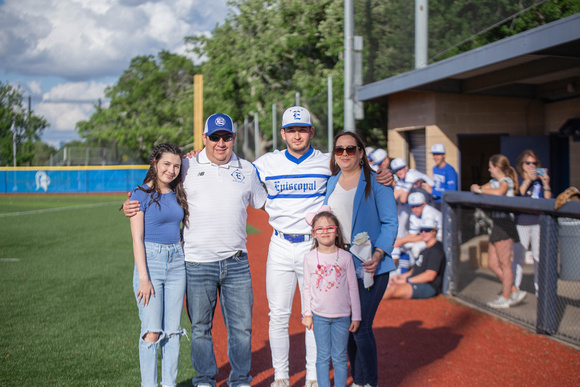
[
  {"x": 219, "y": 187},
  {"x": 296, "y": 182},
  {"x": 379, "y": 158},
  {"x": 444, "y": 175},
  {"x": 424, "y": 280},
  {"x": 412, "y": 243},
  {"x": 408, "y": 180}
]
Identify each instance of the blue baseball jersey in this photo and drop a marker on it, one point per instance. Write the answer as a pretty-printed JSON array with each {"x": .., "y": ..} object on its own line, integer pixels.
[{"x": 445, "y": 180}]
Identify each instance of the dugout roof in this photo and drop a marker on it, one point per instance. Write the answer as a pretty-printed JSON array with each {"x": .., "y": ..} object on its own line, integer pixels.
[{"x": 542, "y": 63}]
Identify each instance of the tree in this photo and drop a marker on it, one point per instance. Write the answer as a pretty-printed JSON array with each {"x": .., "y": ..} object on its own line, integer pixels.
[
  {"x": 150, "y": 104},
  {"x": 266, "y": 51},
  {"x": 15, "y": 117}
]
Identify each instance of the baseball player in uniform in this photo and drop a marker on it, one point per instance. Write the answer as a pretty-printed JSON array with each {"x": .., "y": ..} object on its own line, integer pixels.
[
  {"x": 412, "y": 242},
  {"x": 295, "y": 179}
]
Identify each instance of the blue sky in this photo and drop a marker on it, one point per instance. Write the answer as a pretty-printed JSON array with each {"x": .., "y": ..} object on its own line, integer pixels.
[{"x": 63, "y": 53}]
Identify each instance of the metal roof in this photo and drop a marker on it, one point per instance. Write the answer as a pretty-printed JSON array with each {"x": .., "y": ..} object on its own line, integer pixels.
[{"x": 543, "y": 63}]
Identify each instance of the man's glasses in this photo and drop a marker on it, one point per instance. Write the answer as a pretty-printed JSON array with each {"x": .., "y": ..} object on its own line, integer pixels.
[
  {"x": 329, "y": 229},
  {"x": 427, "y": 229},
  {"x": 350, "y": 150},
  {"x": 218, "y": 137},
  {"x": 531, "y": 162}
]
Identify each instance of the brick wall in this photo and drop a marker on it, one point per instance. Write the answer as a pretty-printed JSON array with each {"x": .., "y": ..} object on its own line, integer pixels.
[{"x": 444, "y": 116}]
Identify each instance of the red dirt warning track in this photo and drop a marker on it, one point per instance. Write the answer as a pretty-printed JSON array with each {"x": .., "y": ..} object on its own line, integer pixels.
[{"x": 420, "y": 342}]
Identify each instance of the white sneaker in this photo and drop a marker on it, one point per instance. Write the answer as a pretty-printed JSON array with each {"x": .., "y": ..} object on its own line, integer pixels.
[
  {"x": 518, "y": 297},
  {"x": 281, "y": 383},
  {"x": 500, "y": 303},
  {"x": 355, "y": 385},
  {"x": 311, "y": 383}
]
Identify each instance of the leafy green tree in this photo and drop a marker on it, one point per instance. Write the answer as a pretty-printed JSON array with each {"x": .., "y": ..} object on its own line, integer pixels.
[
  {"x": 41, "y": 153},
  {"x": 14, "y": 117},
  {"x": 150, "y": 104},
  {"x": 266, "y": 51}
]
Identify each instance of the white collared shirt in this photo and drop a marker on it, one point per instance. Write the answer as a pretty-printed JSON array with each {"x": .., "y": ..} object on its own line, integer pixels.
[{"x": 218, "y": 196}]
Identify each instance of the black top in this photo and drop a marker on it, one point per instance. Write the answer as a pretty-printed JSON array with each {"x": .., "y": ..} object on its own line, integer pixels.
[{"x": 432, "y": 258}]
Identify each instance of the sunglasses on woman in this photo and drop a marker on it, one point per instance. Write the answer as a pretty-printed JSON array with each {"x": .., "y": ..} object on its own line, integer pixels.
[
  {"x": 350, "y": 150},
  {"x": 531, "y": 162}
]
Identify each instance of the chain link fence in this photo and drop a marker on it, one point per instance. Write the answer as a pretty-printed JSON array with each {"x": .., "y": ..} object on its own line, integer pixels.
[
  {"x": 540, "y": 252},
  {"x": 75, "y": 156}
]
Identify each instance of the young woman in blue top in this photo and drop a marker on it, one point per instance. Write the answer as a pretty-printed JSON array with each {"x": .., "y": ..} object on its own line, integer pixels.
[
  {"x": 363, "y": 205},
  {"x": 159, "y": 275}
]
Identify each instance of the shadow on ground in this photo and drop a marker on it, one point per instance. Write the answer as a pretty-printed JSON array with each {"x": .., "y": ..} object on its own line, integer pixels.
[{"x": 402, "y": 350}]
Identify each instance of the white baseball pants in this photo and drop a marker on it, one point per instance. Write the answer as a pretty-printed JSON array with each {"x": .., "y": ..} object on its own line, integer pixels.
[{"x": 284, "y": 269}]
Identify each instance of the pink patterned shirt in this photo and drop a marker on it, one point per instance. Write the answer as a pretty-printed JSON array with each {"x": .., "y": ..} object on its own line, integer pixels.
[{"x": 330, "y": 286}]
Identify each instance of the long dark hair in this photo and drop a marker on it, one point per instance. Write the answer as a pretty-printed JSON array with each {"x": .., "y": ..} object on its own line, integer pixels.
[
  {"x": 339, "y": 238},
  {"x": 176, "y": 185},
  {"x": 334, "y": 168}
]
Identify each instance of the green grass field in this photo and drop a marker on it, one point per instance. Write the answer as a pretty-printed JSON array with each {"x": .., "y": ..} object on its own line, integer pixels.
[{"x": 68, "y": 316}]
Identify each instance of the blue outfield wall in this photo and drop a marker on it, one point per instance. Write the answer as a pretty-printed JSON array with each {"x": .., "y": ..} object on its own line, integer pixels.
[{"x": 118, "y": 178}]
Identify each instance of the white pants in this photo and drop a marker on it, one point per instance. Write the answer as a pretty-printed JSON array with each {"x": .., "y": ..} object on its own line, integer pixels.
[
  {"x": 285, "y": 268},
  {"x": 403, "y": 215},
  {"x": 527, "y": 234}
]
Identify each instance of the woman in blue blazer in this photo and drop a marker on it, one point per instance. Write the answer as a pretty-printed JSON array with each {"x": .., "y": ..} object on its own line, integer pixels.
[{"x": 363, "y": 205}]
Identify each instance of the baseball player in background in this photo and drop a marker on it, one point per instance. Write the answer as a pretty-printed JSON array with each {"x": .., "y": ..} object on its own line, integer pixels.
[{"x": 295, "y": 179}]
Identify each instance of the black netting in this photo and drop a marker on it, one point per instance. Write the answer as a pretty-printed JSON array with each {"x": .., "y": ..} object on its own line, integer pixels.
[{"x": 537, "y": 253}]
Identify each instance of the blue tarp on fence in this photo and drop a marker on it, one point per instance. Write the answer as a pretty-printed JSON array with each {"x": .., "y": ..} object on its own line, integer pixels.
[{"x": 71, "y": 179}]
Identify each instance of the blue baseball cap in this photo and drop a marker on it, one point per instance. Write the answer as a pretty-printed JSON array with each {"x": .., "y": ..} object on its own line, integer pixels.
[{"x": 219, "y": 122}]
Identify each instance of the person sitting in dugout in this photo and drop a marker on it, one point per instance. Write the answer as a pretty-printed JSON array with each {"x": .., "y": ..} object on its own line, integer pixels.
[{"x": 424, "y": 280}]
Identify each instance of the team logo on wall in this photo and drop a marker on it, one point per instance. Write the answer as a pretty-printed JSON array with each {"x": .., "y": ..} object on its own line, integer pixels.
[
  {"x": 42, "y": 181},
  {"x": 238, "y": 176}
]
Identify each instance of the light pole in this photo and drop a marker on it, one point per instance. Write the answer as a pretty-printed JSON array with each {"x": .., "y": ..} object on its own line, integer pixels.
[
  {"x": 348, "y": 62},
  {"x": 13, "y": 144}
]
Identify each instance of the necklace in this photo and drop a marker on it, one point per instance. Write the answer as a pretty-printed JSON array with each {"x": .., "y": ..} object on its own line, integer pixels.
[{"x": 331, "y": 267}]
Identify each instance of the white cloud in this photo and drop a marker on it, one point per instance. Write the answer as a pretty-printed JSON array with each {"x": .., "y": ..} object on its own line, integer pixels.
[
  {"x": 79, "y": 91},
  {"x": 77, "y": 39},
  {"x": 64, "y": 116},
  {"x": 34, "y": 87},
  {"x": 66, "y": 104},
  {"x": 62, "y": 52}
]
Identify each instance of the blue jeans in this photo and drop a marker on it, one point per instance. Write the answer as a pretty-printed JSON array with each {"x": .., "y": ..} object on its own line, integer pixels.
[
  {"x": 331, "y": 335},
  {"x": 166, "y": 269},
  {"x": 231, "y": 278},
  {"x": 362, "y": 347}
]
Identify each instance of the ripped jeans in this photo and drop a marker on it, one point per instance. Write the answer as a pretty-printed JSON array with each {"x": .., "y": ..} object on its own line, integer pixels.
[{"x": 166, "y": 269}]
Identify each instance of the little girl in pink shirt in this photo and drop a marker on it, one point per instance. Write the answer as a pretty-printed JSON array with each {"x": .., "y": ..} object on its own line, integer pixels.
[{"x": 331, "y": 297}]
